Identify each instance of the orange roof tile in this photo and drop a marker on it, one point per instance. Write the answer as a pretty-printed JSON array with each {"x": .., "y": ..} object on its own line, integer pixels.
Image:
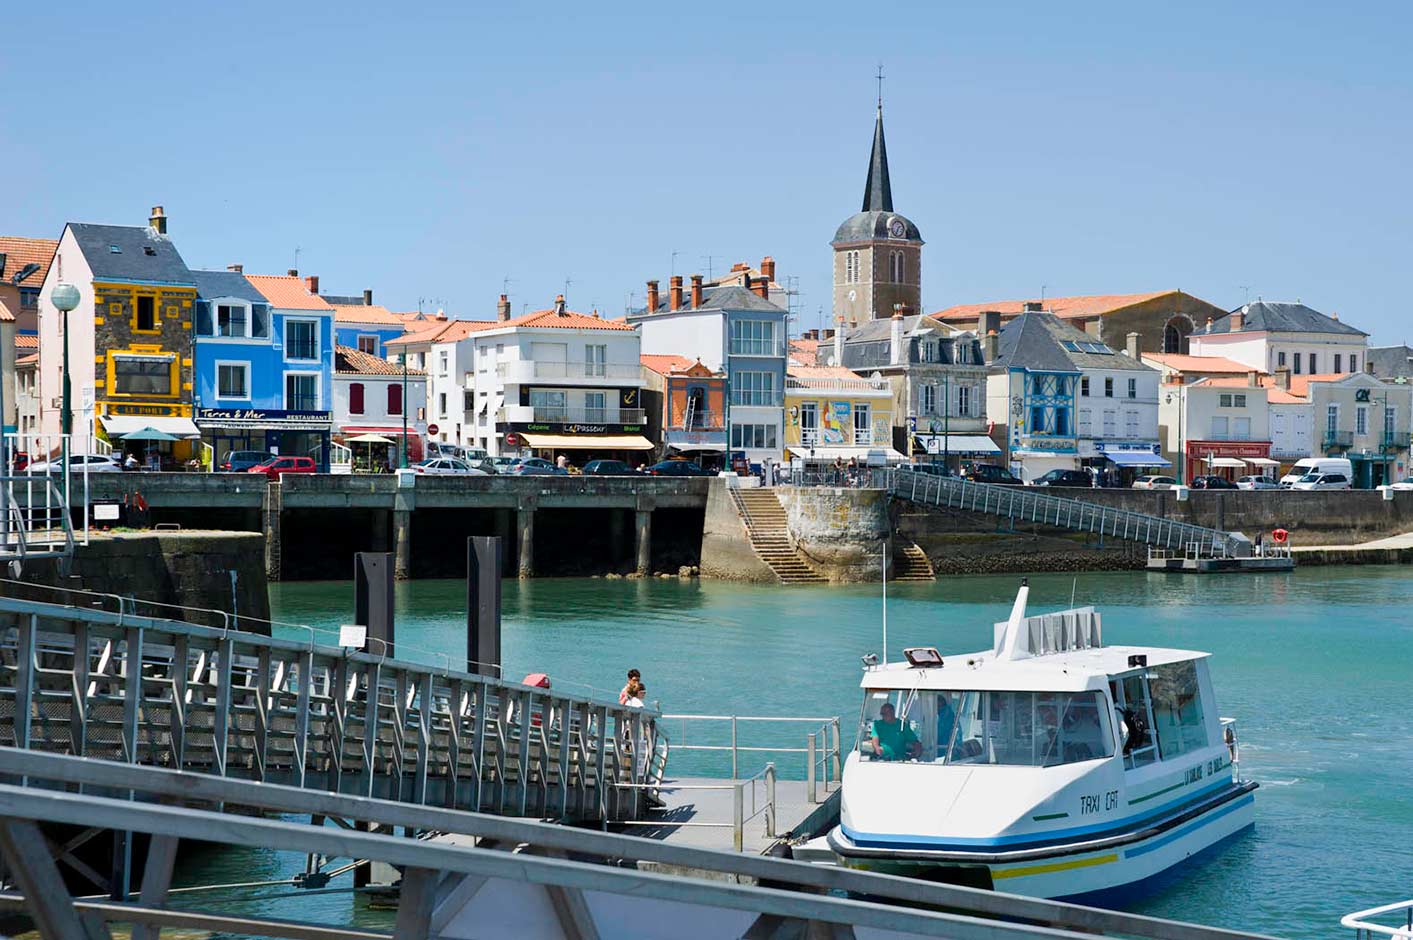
[
  {"x": 565, "y": 320},
  {"x": 1066, "y": 308},
  {"x": 22, "y": 251},
  {"x": 1279, "y": 396},
  {"x": 444, "y": 331},
  {"x": 1181, "y": 363},
  {"x": 350, "y": 361},
  {"x": 663, "y": 364},
  {"x": 26, "y": 360},
  {"x": 805, "y": 350},
  {"x": 365, "y": 313},
  {"x": 287, "y": 293}
]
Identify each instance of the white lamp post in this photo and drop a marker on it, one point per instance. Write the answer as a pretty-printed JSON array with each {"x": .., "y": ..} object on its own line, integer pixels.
[{"x": 66, "y": 297}]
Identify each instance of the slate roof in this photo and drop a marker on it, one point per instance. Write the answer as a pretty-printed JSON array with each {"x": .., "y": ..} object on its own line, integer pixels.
[
  {"x": 288, "y": 293},
  {"x": 871, "y": 331},
  {"x": 130, "y": 253},
  {"x": 875, "y": 219},
  {"x": 1390, "y": 362},
  {"x": 1272, "y": 317},
  {"x": 1033, "y": 341},
  {"x": 19, "y": 252},
  {"x": 723, "y": 297},
  {"x": 350, "y": 361},
  {"x": 226, "y": 284}
]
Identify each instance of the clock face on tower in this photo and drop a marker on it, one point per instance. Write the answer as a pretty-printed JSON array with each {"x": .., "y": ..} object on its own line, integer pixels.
[
  {"x": 897, "y": 229},
  {"x": 853, "y": 296}
]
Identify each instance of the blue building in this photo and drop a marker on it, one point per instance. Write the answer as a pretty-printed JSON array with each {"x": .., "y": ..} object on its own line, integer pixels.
[
  {"x": 264, "y": 356},
  {"x": 1031, "y": 389},
  {"x": 363, "y": 325}
]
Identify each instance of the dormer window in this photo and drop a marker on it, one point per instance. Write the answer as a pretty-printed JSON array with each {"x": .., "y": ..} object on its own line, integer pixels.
[
  {"x": 114, "y": 250},
  {"x": 232, "y": 320}
]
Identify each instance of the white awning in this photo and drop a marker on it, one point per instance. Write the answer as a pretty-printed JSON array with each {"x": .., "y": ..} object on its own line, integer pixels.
[
  {"x": 688, "y": 447},
  {"x": 961, "y": 445},
  {"x": 1234, "y": 463},
  {"x": 120, "y": 425},
  {"x": 1262, "y": 461},
  {"x": 844, "y": 453}
]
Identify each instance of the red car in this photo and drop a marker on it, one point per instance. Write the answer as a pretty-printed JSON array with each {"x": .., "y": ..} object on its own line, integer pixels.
[{"x": 276, "y": 467}]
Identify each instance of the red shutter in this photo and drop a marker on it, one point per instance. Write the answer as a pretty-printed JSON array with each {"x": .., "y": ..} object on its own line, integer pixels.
[
  {"x": 355, "y": 398},
  {"x": 394, "y": 399}
]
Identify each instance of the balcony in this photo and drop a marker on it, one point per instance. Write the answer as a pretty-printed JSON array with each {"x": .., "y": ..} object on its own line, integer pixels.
[
  {"x": 1344, "y": 439},
  {"x": 757, "y": 347},
  {"x": 527, "y": 414},
  {"x": 838, "y": 385},
  {"x": 752, "y": 399},
  {"x": 811, "y": 437},
  {"x": 1396, "y": 440},
  {"x": 525, "y": 371},
  {"x": 701, "y": 421}
]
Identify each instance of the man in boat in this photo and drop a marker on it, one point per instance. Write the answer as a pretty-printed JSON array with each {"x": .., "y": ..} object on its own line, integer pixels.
[{"x": 892, "y": 737}]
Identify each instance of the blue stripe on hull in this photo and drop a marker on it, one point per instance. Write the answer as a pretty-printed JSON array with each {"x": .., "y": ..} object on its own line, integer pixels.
[
  {"x": 1191, "y": 827},
  {"x": 1122, "y": 896}
]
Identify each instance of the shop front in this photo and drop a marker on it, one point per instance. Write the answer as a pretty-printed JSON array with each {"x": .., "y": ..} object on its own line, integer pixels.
[
  {"x": 157, "y": 436},
  {"x": 289, "y": 433},
  {"x": 707, "y": 448},
  {"x": 1228, "y": 459},
  {"x": 578, "y": 443},
  {"x": 952, "y": 450},
  {"x": 1119, "y": 463}
]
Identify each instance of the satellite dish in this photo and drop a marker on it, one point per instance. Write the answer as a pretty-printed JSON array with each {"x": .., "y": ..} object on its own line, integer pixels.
[{"x": 24, "y": 272}]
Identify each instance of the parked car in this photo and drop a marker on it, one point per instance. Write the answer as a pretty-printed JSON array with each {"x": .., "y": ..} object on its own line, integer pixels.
[
  {"x": 535, "y": 467},
  {"x": 1309, "y": 465},
  {"x": 93, "y": 463},
  {"x": 503, "y": 464},
  {"x": 1064, "y": 478},
  {"x": 1321, "y": 481},
  {"x": 1211, "y": 482},
  {"x": 1154, "y": 483},
  {"x": 447, "y": 466},
  {"x": 990, "y": 473},
  {"x": 1404, "y": 484},
  {"x": 678, "y": 468},
  {"x": 239, "y": 461},
  {"x": 1259, "y": 482},
  {"x": 933, "y": 469},
  {"x": 276, "y": 467},
  {"x": 611, "y": 468}
]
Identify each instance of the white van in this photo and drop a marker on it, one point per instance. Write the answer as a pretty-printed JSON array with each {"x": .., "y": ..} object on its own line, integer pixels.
[{"x": 1340, "y": 465}]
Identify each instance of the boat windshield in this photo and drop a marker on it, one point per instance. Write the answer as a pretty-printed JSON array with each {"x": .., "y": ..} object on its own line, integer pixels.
[{"x": 1025, "y": 729}]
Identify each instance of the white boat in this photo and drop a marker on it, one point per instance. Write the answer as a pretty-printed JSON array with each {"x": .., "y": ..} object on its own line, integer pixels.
[{"x": 1050, "y": 765}]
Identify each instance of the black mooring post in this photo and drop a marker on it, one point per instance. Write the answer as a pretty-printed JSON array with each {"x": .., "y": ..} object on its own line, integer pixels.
[
  {"x": 373, "y": 599},
  {"x": 483, "y": 572}
]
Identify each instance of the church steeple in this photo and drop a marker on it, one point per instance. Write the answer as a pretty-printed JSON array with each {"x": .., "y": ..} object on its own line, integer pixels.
[{"x": 878, "y": 194}]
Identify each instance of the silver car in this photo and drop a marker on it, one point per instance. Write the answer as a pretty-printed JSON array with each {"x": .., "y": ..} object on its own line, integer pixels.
[
  {"x": 447, "y": 466},
  {"x": 1256, "y": 482}
]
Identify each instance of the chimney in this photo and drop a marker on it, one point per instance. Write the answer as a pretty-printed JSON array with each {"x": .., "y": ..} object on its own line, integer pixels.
[
  {"x": 293, "y": 272},
  {"x": 740, "y": 266},
  {"x": 311, "y": 281},
  {"x": 560, "y": 310},
  {"x": 990, "y": 346},
  {"x": 1034, "y": 306},
  {"x": 236, "y": 268},
  {"x": 895, "y": 335},
  {"x": 652, "y": 297},
  {"x": 1175, "y": 379},
  {"x": 696, "y": 291},
  {"x": 989, "y": 322},
  {"x": 674, "y": 292},
  {"x": 839, "y": 340},
  {"x": 758, "y": 286},
  {"x": 826, "y": 334},
  {"x": 767, "y": 268},
  {"x": 1368, "y": 364},
  {"x": 1131, "y": 344},
  {"x": 1091, "y": 326},
  {"x": 158, "y": 220},
  {"x": 503, "y": 308},
  {"x": 1283, "y": 379},
  {"x": 1253, "y": 379},
  {"x": 1238, "y": 320},
  {"x": 368, "y": 297}
]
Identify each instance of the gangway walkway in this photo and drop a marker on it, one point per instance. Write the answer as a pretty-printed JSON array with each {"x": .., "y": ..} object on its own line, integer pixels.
[
  {"x": 164, "y": 693},
  {"x": 1031, "y": 504}
]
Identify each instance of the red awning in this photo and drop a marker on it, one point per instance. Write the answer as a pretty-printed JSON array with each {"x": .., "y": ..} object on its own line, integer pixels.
[{"x": 374, "y": 429}]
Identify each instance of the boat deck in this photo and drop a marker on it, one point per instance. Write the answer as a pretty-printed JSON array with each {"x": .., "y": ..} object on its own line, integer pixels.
[{"x": 698, "y": 811}]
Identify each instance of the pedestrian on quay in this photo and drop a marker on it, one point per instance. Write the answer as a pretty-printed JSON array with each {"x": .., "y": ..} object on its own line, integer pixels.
[
  {"x": 634, "y": 683},
  {"x": 562, "y": 462}
]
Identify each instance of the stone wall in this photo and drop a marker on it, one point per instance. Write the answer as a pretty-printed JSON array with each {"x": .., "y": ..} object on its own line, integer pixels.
[
  {"x": 187, "y": 569},
  {"x": 843, "y": 532},
  {"x": 726, "y": 547}
]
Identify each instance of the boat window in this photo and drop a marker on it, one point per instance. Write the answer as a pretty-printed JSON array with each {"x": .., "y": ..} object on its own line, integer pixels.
[
  {"x": 1026, "y": 729},
  {"x": 912, "y": 720},
  {"x": 1135, "y": 717},
  {"x": 1177, "y": 708}
]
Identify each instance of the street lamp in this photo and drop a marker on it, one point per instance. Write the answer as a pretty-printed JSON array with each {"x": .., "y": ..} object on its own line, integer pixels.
[
  {"x": 404, "y": 409},
  {"x": 65, "y": 297}
]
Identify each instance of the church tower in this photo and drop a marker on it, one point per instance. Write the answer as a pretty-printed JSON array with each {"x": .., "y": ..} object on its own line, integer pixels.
[{"x": 877, "y": 252}]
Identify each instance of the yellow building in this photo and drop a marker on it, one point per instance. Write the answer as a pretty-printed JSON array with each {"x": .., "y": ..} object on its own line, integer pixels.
[{"x": 833, "y": 412}]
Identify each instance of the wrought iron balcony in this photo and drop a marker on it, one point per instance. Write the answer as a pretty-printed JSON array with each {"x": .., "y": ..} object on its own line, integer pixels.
[
  {"x": 526, "y": 414},
  {"x": 1396, "y": 440},
  {"x": 1339, "y": 439}
]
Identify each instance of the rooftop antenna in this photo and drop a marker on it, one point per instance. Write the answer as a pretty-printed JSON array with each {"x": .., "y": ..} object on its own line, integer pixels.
[
  {"x": 297, "y": 250},
  {"x": 1246, "y": 292},
  {"x": 708, "y": 259},
  {"x": 1043, "y": 288},
  {"x": 567, "y": 282},
  {"x": 505, "y": 283}
]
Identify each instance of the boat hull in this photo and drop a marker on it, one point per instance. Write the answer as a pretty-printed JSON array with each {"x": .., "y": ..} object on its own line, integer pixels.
[{"x": 1075, "y": 869}]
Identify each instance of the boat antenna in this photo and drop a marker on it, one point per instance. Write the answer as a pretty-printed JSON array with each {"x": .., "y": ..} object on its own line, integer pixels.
[{"x": 885, "y": 602}]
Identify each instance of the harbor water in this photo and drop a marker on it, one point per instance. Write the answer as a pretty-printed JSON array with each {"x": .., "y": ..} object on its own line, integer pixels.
[{"x": 1314, "y": 665}]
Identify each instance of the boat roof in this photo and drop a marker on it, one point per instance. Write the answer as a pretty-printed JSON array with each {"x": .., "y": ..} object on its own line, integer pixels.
[{"x": 1067, "y": 671}]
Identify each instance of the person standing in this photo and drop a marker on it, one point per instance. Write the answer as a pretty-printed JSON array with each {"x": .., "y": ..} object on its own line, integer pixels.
[{"x": 634, "y": 684}]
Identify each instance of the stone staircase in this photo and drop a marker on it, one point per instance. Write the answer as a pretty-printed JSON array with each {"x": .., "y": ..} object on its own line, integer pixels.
[
  {"x": 769, "y": 530},
  {"x": 910, "y": 564}
]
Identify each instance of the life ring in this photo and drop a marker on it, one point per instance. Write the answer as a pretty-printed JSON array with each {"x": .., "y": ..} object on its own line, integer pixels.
[
  {"x": 1280, "y": 536},
  {"x": 139, "y": 503}
]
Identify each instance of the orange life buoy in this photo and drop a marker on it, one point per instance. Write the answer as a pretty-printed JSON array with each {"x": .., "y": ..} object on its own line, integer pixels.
[
  {"x": 139, "y": 503},
  {"x": 1280, "y": 535}
]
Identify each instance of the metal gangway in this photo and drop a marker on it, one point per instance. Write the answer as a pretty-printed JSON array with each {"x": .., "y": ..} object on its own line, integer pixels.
[
  {"x": 164, "y": 693},
  {"x": 1031, "y": 504},
  {"x": 477, "y": 875}
]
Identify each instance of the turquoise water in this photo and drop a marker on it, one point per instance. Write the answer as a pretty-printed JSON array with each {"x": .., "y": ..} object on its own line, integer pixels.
[{"x": 1314, "y": 665}]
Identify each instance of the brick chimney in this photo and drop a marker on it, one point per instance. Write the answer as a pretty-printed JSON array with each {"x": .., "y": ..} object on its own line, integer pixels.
[
  {"x": 293, "y": 272},
  {"x": 989, "y": 322},
  {"x": 1033, "y": 306},
  {"x": 767, "y": 268},
  {"x": 1131, "y": 344},
  {"x": 503, "y": 308},
  {"x": 674, "y": 292},
  {"x": 368, "y": 297},
  {"x": 990, "y": 346},
  {"x": 236, "y": 268},
  {"x": 158, "y": 220},
  {"x": 895, "y": 336},
  {"x": 1238, "y": 320},
  {"x": 758, "y": 286},
  {"x": 311, "y": 281},
  {"x": 1283, "y": 379},
  {"x": 652, "y": 297},
  {"x": 696, "y": 291}
]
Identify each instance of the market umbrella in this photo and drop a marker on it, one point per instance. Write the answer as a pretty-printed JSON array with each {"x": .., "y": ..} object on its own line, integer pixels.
[
  {"x": 150, "y": 434},
  {"x": 371, "y": 439}
]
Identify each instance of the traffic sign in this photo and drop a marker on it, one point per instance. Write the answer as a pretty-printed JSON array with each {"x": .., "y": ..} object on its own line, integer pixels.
[{"x": 432, "y": 429}]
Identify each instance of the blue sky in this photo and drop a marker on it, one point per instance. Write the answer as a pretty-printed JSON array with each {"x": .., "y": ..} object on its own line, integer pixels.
[{"x": 431, "y": 150}]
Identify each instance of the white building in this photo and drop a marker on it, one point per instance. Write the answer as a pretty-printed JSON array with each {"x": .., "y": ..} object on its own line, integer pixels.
[
  {"x": 372, "y": 396},
  {"x": 1268, "y": 336},
  {"x": 1217, "y": 426}
]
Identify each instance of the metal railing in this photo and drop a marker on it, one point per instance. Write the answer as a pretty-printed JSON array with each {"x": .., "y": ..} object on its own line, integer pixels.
[
  {"x": 823, "y": 758},
  {"x": 852, "y": 437},
  {"x": 1029, "y": 504},
  {"x": 1339, "y": 439},
  {"x": 574, "y": 415},
  {"x": 1396, "y": 440},
  {"x": 143, "y": 690},
  {"x": 1364, "y": 927},
  {"x": 739, "y": 817},
  {"x": 570, "y": 370}
]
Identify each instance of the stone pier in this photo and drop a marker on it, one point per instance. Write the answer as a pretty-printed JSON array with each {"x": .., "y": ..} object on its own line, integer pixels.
[
  {"x": 645, "y": 540},
  {"x": 525, "y": 540}
]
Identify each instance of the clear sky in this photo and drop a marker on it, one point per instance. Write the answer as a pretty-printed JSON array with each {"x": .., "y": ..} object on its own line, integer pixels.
[{"x": 431, "y": 150}]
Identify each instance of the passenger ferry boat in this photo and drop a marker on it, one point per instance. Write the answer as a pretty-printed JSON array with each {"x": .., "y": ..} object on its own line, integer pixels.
[{"x": 1050, "y": 765}]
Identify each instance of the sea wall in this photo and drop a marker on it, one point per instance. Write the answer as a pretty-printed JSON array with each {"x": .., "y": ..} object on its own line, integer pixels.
[
  {"x": 726, "y": 547},
  {"x": 844, "y": 532},
  {"x": 163, "y": 571}
]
